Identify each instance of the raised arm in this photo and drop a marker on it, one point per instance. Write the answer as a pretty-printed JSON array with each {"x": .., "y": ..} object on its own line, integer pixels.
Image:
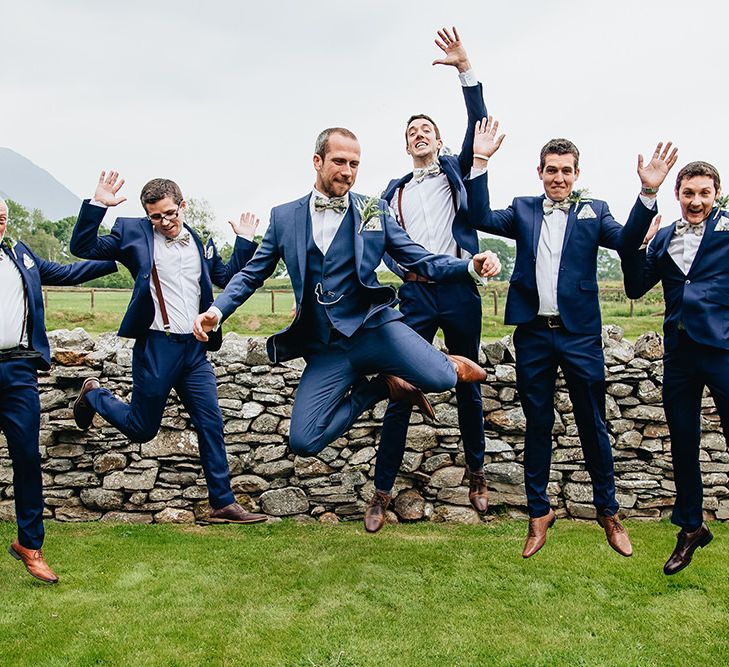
[
  {"x": 76, "y": 273},
  {"x": 640, "y": 269}
]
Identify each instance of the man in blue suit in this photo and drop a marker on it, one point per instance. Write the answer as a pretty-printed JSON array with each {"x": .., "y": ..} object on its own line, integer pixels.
[
  {"x": 553, "y": 300},
  {"x": 173, "y": 275},
  {"x": 690, "y": 258},
  {"x": 430, "y": 203},
  {"x": 23, "y": 350},
  {"x": 345, "y": 327}
]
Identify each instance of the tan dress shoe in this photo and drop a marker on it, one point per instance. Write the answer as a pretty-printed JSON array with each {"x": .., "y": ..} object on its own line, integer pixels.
[
  {"x": 83, "y": 413},
  {"x": 616, "y": 534},
  {"x": 467, "y": 370},
  {"x": 686, "y": 544},
  {"x": 537, "y": 535},
  {"x": 234, "y": 513},
  {"x": 374, "y": 517},
  {"x": 34, "y": 562},
  {"x": 478, "y": 493},
  {"x": 400, "y": 390}
]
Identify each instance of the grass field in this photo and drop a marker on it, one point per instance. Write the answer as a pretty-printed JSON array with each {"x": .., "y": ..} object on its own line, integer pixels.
[
  {"x": 68, "y": 309},
  {"x": 332, "y": 596}
]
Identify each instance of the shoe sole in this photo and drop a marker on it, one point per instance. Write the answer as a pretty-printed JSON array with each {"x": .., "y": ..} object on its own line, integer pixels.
[
  {"x": 16, "y": 555},
  {"x": 701, "y": 545},
  {"x": 219, "y": 521},
  {"x": 77, "y": 403}
]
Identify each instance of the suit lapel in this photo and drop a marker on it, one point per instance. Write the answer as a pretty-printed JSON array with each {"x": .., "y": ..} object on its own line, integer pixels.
[
  {"x": 149, "y": 235},
  {"x": 204, "y": 269},
  {"x": 571, "y": 219},
  {"x": 301, "y": 227},
  {"x": 538, "y": 217},
  {"x": 705, "y": 240},
  {"x": 358, "y": 240}
]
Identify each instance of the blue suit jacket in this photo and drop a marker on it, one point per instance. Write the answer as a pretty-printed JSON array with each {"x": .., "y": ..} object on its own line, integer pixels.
[
  {"x": 131, "y": 242},
  {"x": 577, "y": 290},
  {"x": 36, "y": 272},
  {"x": 456, "y": 168},
  {"x": 286, "y": 237},
  {"x": 700, "y": 298}
]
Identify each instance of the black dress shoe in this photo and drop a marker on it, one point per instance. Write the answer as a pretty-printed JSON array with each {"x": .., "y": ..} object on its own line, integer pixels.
[
  {"x": 686, "y": 544},
  {"x": 83, "y": 413}
]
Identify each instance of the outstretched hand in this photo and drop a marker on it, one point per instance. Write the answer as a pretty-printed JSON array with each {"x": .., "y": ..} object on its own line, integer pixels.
[
  {"x": 654, "y": 173},
  {"x": 455, "y": 54},
  {"x": 107, "y": 187},
  {"x": 246, "y": 226},
  {"x": 487, "y": 264},
  {"x": 652, "y": 231},
  {"x": 485, "y": 140},
  {"x": 203, "y": 323}
]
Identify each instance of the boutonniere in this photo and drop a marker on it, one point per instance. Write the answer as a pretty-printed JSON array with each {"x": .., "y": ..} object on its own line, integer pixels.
[
  {"x": 10, "y": 244},
  {"x": 203, "y": 233},
  {"x": 369, "y": 212},
  {"x": 721, "y": 203},
  {"x": 578, "y": 197}
]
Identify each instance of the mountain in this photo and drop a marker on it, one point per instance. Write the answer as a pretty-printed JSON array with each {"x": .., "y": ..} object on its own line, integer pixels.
[{"x": 33, "y": 187}]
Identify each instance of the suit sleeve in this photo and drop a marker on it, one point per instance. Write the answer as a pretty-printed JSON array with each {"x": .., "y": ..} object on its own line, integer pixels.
[
  {"x": 251, "y": 277},
  {"x": 630, "y": 235},
  {"x": 640, "y": 270},
  {"x": 52, "y": 273},
  {"x": 475, "y": 110},
  {"x": 220, "y": 272},
  {"x": 480, "y": 215},
  {"x": 85, "y": 239}
]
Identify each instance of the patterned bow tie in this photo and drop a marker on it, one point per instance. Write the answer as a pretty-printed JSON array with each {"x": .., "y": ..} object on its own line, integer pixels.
[
  {"x": 336, "y": 204},
  {"x": 421, "y": 174},
  {"x": 548, "y": 206},
  {"x": 182, "y": 239},
  {"x": 682, "y": 227}
]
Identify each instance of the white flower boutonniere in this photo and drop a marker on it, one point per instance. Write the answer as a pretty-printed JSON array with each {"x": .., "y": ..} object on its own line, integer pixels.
[
  {"x": 578, "y": 197},
  {"x": 10, "y": 244},
  {"x": 369, "y": 212},
  {"x": 721, "y": 203}
]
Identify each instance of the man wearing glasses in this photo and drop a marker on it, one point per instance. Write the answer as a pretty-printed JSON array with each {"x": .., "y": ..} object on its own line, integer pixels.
[{"x": 173, "y": 279}]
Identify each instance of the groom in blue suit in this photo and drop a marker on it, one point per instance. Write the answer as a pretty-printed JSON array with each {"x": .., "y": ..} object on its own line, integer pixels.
[
  {"x": 553, "y": 300},
  {"x": 345, "y": 327},
  {"x": 173, "y": 275},
  {"x": 23, "y": 350},
  {"x": 691, "y": 258}
]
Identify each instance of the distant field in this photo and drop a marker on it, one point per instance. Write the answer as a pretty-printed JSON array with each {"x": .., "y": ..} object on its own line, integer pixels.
[{"x": 68, "y": 309}]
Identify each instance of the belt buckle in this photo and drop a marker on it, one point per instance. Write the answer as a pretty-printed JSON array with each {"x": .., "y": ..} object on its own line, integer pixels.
[{"x": 553, "y": 322}]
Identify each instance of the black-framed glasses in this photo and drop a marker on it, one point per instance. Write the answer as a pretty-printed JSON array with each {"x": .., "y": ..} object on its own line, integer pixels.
[{"x": 159, "y": 217}]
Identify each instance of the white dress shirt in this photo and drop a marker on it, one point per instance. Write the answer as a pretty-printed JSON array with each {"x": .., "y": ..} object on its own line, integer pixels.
[
  {"x": 12, "y": 305},
  {"x": 683, "y": 248},
  {"x": 324, "y": 224}
]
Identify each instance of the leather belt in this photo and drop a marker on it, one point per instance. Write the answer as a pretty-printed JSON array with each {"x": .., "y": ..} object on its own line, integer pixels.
[
  {"x": 18, "y": 353},
  {"x": 410, "y": 277},
  {"x": 548, "y": 322}
]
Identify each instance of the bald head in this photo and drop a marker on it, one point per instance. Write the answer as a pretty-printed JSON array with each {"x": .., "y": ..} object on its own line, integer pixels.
[{"x": 3, "y": 207}]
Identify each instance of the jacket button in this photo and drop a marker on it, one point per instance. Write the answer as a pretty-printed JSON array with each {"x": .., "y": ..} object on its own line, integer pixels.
[
  {"x": 145, "y": 276},
  {"x": 688, "y": 282}
]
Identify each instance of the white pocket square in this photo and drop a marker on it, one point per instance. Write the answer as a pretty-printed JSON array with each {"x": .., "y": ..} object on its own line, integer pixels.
[
  {"x": 722, "y": 225},
  {"x": 28, "y": 261},
  {"x": 586, "y": 212},
  {"x": 374, "y": 225}
]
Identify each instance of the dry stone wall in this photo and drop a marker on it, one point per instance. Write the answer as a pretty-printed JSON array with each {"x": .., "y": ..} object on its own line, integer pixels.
[{"x": 100, "y": 475}]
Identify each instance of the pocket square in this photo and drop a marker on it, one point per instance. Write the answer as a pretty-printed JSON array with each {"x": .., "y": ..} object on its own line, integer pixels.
[
  {"x": 374, "y": 225},
  {"x": 28, "y": 261},
  {"x": 586, "y": 212},
  {"x": 209, "y": 251},
  {"x": 722, "y": 225}
]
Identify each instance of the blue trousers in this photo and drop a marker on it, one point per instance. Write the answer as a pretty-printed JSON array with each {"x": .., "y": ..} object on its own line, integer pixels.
[
  {"x": 456, "y": 309},
  {"x": 159, "y": 364},
  {"x": 539, "y": 353},
  {"x": 20, "y": 422},
  {"x": 687, "y": 369},
  {"x": 334, "y": 390}
]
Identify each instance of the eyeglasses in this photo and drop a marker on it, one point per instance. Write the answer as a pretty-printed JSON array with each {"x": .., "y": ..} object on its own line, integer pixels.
[
  {"x": 159, "y": 217},
  {"x": 4, "y": 220}
]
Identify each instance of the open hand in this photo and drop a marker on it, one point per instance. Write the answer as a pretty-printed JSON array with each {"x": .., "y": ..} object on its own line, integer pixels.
[
  {"x": 107, "y": 188},
  {"x": 455, "y": 54},
  {"x": 652, "y": 231},
  {"x": 487, "y": 264},
  {"x": 203, "y": 323},
  {"x": 485, "y": 140},
  {"x": 246, "y": 226},
  {"x": 653, "y": 174}
]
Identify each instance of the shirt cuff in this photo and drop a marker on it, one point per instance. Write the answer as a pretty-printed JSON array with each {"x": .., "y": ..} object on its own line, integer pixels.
[
  {"x": 218, "y": 312},
  {"x": 476, "y": 172},
  {"x": 474, "y": 275},
  {"x": 93, "y": 202},
  {"x": 246, "y": 237},
  {"x": 648, "y": 202},
  {"x": 468, "y": 78}
]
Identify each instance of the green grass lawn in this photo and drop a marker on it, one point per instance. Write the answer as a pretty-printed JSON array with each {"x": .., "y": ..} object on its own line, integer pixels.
[{"x": 323, "y": 596}]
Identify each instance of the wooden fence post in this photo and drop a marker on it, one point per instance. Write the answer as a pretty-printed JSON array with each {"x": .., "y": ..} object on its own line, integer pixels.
[
  {"x": 92, "y": 298},
  {"x": 273, "y": 301},
  {"x": 496, "y": 302},
  {"x": 45, "y": 298}
]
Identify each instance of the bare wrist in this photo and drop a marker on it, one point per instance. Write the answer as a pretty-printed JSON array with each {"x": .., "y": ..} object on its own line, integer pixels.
[{"x": 463, "y": 66}]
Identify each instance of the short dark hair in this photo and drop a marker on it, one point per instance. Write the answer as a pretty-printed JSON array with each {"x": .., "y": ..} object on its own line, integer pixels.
[
  {"x": 424, "y": 117},
  {"x": 322, "y": 141},
  {"x": 159, "y": 188},
  {"x": 698, "y": 168},
  {"x": 559, "y": 147}
]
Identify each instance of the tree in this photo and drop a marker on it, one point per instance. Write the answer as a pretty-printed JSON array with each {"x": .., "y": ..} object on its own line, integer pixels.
[
  {"x": 608, "y": 266},
  {"x": 504, "y": 251}
]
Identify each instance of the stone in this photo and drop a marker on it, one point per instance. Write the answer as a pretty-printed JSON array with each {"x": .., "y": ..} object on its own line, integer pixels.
[
  {"x": 233, "y": 349},
  {"x": 102, "y": 499},
  {"x": 578, "y": 493},
  {"x": 411, "y": 461},
  {"x": 76, "y": 478},
  {"x": 174, "y": 515},
  {"x": 436, "y": 461},
  {"x": 75, "y": 339},
  {"x": 455, "y": 514},
  {"x": 268, "y": 453},
  {"x": 505, "y": 373},
  {"x": 249, "y": 484},
  {"x": 109, "y": 461},
  {"x": 409, "y": 505},
  {"x": 617, "y": 352},
  {"x": 128, "y": 481},
  {"x": 284, "y": 502},
  {"x": 649, "y": 413},
  {"x": 421, "y": 438},
  {"x": 649, "y": 346},
  {"x": 265, "y": 423},
  {"x": 282, "y": 468},
  {"x": 65, "y": 450},
  {"x": 329, "y": 518},
  {"x": 713, "y": 441},
  {"x": 65, "y": 357},
  {"x": 172, "y": 443},
  {"x": 76, "y": 513},
  {"x": 631, "y": 439},
  {"x": 505, "y": 473},
  {"x": 450, "y": 476},
  {"x": 619, "y": 389},
  {"x": 364, "y": 455},
  {"x": 509, "y": 421},
  {"x": 127, "y": 517}
]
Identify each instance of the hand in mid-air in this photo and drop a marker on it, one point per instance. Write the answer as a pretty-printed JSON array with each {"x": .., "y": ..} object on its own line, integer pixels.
[
  {"x": 246, "y": 226},
  {"x": 107, "y": 187},
  {"x": 654, "y": 173},
  {"x": 485, "y": 139},
  {"x": 652, "y": 231},
  {"x": 487, "y": 264},
  {"x": 203, "y": 323},
  {"x": 455, "y": 54}
]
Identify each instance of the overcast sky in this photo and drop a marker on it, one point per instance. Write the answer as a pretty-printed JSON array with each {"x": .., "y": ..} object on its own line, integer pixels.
[{"x": 228, "y": 97}]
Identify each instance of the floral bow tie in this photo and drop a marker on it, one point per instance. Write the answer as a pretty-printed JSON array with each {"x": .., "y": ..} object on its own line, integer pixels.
[
  {"x": 421, "y": 174},
  {"x": 336, "y": 204},
  {"x": 182, "y": 239},
  {"x": 682, "y": 227},
  {"x": 548, "y": 206}
]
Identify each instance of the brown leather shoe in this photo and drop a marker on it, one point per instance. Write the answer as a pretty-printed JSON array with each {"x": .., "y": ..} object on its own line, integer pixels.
[
  {"x": 374, "y": 517},
  {"x": 400, "y": 390},
  {"x": 686, "y": 544},
  {"x": 478, "y": 493},
  {"x": 616, "y": 534},
  {"x": 467, "y": 370},
  {"x": 234, "y": 513},
  {"x": 83, "y": 413},
  {"x": 34, "y": 562},
  {"x": 537, "y": 535}
]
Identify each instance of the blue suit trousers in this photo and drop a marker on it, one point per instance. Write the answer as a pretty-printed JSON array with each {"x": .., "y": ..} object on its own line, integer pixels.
[
  {"x": 20, "y": 422},
  {"x": 539, "y": 353},
  {"x": 456, "y": 309},
  {"x": 687, "y": 368},
  {"x": 161, "y": 363}
]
